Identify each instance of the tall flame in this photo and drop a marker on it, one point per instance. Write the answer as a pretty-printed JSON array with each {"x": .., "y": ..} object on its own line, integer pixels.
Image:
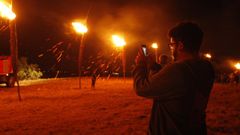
[
  {"x": 155, "y": 45},
  {"x": 118, "y": 41},
  {"x": 6, "y": 11},
  {"x": 237, "y": 66},
  {"x": 79, "y": 27},
  {"x": 208, "y": 55}
]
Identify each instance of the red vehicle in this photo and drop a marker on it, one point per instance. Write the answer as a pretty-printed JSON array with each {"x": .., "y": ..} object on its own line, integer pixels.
[{"x": 6, "y": 71}]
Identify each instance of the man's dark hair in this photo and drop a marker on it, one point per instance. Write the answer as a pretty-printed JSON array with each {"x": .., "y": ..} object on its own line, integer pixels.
[{"x": 189, "y": 33}]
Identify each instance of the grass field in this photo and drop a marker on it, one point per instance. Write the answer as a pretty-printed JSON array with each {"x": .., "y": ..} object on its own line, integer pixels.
[{"x": 57, "y": 106}]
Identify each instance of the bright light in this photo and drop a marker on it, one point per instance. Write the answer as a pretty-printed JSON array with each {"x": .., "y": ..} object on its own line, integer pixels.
[
  {"x": 79, "y": 27},
  {"x": 155, "y": 45},
  {"x": 6, "y": 11},
  {"x": 208, "y": 55},
  {"x": 118, "y": 41},
  {"x": 237, "y": 66}
]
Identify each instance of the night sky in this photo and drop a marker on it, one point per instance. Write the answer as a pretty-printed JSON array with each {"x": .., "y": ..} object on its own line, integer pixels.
[{"x": 43, "y": 23}]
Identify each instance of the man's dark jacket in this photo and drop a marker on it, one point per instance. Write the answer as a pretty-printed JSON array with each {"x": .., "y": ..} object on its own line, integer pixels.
[{"x": 180, "y": 93}]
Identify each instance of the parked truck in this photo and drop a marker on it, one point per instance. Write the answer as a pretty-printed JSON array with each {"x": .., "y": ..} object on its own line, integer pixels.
[{"x": 6, "y": 71}]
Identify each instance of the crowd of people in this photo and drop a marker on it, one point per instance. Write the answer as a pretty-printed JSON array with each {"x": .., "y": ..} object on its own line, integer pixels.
[{"x": 229, "y": 78}]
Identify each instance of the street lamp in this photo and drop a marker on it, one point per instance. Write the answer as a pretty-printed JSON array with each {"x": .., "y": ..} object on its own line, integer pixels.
[
  {"x": 80, "y": 29},
  {"x": 155, "y": 47},
  {"x": 120, "y": 42}
]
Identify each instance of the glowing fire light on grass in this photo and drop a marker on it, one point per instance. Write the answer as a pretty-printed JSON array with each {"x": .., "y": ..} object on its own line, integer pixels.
[
  {"x": 118, "y": 41},
  {"x": 6, "y": 11}
]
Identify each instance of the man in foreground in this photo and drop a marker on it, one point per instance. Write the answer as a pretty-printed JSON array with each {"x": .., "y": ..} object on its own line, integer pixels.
[{"x": 180, "y": 90}]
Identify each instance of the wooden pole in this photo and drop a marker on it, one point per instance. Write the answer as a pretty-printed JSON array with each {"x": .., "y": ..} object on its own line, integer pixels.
[
  {"x": 14, "y": 51},
  {"x": 80, "y": 59},
  {"x": 124, "y": 63},
  {"x": 156, "y": 54}
]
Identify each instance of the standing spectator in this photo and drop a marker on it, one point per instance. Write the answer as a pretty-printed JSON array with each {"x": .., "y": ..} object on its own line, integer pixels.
[
  {"x": 164, "y": 60},
  {"x": 94, "y": 78},
  {"x": 236, "y": 78}
]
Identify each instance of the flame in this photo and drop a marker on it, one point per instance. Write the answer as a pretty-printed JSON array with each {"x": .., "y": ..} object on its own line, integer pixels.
[
  {"x": 6, "y": 11},
  {"x": 79, "y": 27},
  {"x": 237, "y": 66},
  {"x": 155, "y": 45},
  {"x": 118, "y": 41},
  {"x": 208, "y": 55}
]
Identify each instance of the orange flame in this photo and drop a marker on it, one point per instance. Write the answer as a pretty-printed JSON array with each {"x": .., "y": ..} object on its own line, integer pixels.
[
  {"x": 155, "y": 45},
  {"x": 79, "y": 27},
  {"x": 6, "y": 11},
  {"x": 208, "y": 55},
  {"x": 237, "y": 66},
  {"x": 118, "y": 41}
]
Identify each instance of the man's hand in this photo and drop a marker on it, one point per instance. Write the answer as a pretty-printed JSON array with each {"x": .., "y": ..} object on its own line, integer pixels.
[
  {"x": 146, "y": 60},
  {"x": 151, "y": 60},
  {"x": 140, "y": 58}
]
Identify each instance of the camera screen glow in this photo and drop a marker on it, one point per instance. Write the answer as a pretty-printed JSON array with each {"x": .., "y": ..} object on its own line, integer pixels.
[{"x": 144, "y": 51}]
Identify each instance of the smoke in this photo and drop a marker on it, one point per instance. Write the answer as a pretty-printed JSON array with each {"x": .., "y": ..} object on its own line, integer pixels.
[{"x": 137, "y": 23}]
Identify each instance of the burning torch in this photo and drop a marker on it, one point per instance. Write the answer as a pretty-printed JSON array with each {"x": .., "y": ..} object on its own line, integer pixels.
[
  {"x": 80, "y": 29},
  {"x": 120, "y": 42}
]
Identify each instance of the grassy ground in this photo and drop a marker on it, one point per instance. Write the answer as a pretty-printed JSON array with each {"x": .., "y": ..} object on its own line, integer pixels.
[{"x": 57, "y": 106}]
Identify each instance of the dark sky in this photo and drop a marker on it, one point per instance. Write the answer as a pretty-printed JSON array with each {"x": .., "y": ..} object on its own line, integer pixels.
[{"x": 43, "y": 23}]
